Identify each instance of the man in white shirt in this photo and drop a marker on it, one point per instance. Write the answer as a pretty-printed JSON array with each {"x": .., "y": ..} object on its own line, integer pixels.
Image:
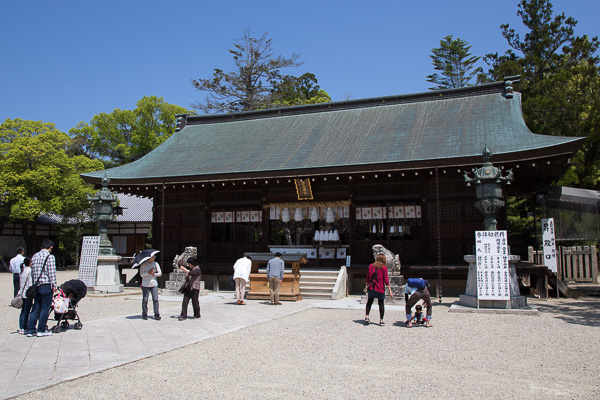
[{"x": 15, "y": 268}]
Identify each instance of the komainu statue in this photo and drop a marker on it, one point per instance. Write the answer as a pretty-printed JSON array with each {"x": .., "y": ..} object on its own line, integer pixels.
[
  {"x": 181, "y": 260},
  {"x": 392, "y": 260}
]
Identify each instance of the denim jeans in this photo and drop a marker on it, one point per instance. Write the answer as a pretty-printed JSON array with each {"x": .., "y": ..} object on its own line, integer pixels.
[
  {"x": 145, "y": 292},
  {"x": 41, "y": 309},
  {"x": 24, "y": 317}
]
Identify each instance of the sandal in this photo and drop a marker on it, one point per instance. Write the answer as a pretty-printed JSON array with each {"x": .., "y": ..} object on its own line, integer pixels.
[
  {"x": 367, "y": 321},
  {"x": 408, "y": 324},
  {"x": 381, "y": 323}
]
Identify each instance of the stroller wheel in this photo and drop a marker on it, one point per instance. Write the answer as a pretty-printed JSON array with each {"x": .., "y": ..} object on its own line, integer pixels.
[
  {"x": 78, "y": 325},
  {"x": 56, "y": 329},
  {"x": 64, "y": 324}
]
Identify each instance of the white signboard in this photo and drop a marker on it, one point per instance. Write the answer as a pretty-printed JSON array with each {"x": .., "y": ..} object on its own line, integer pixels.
[
  {"x": 548, "y": 242},
  {"x": 493, "y": 282},
  {"x": 88, "y": 262}
]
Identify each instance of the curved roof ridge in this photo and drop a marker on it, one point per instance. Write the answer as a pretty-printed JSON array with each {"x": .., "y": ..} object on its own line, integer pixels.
[{"x": 432, "y": 95}]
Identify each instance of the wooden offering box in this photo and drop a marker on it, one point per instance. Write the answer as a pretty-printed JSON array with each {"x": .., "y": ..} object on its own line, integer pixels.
[{"x": 290, "y": 286}]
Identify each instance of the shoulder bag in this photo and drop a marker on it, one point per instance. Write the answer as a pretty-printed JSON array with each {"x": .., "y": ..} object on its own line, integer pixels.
[
  {"x": 366, "y": 289},
  {"x": 32, "y": 290}
]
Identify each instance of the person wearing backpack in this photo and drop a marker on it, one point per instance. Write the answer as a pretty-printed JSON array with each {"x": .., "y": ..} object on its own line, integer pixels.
[
  {"x": 416, "y": 288},
  {"x": 377, "y": 280}
]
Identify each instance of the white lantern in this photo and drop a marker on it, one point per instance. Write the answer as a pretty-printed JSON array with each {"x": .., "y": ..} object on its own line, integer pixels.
[
  {"x": 314, "y": 214},
  {"x": 299, "y": 214},
  {"x": 285, "y": 215},
  {"x": 329, "y": 217}
]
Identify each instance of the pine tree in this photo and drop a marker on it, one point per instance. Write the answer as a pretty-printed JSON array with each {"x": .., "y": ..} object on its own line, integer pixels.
[{"x": 455, "y": 64}]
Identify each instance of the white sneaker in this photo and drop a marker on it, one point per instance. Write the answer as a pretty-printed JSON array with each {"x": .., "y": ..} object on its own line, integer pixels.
[{"x": 45, "y": 333}]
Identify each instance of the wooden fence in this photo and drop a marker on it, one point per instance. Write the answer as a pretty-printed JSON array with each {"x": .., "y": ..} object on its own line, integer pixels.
[{"x": 577, "y": 263}]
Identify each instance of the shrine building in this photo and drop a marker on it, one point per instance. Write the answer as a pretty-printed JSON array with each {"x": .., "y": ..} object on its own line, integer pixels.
[{"x": 331, "y": 180}]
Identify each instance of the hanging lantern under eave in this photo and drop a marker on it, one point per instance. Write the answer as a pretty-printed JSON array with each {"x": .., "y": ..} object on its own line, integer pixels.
[
  {"x": 299, "y": 215},
  {"x": 314, "y": 214},
  {"x": 285, "y": 215},
  {"x": 329, "y": 216}
]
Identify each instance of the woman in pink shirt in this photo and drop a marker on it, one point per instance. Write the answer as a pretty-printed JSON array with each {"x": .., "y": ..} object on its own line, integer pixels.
[{"x": 377, "y": 279}]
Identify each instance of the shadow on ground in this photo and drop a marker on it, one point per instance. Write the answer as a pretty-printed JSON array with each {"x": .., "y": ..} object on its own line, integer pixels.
[{"x": 580, "y": 312}]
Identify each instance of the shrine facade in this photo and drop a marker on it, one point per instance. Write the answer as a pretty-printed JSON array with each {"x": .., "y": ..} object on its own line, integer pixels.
[{"x": 331, "y": 180}]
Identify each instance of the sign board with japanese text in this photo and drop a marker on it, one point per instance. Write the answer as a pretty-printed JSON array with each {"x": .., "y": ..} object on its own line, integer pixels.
[
  {"x": 303, "y": 189},
  {"x": 548, "y": 239},
  {"x": 88, "y": 262},
  {"x": 493, "y": 282}
]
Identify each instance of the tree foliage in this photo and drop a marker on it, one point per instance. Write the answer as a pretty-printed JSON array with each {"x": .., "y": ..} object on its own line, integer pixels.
[
  {"x": 455, "y": 64},
  {"x": 294, "y": 91},
  {"x": 124, "y": 136},
  {"x": 36, "y": 173},
  {"x": 559, "y": 81},
  {"x": 250, "y": 85}
]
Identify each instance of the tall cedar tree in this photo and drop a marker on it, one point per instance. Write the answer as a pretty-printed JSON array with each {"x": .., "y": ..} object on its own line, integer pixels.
[
  {"x": 560, "y": 82},
  {"x": 454, "y": 63},
  {"x": 250, "y": 85}
]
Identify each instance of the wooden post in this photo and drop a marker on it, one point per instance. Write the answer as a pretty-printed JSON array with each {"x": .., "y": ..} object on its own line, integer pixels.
[{"x": 594, "y": 264}]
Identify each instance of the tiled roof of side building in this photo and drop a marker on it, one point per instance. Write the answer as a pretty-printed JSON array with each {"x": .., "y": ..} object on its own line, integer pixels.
[
  {"x": 432, "y": 128},
  {"x": 135, "y": 209}
]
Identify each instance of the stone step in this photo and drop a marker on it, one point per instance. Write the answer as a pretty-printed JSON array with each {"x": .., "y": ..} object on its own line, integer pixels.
[
  {"x": 175, "y": 293},
  {"x": 328, "y": 280},
  {"x": 316, "y": 295},
  {"x": 316, "y": 285}
]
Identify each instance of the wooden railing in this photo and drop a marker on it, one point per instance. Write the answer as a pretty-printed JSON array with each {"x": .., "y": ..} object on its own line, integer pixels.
[{"x": 576, "y": 263}]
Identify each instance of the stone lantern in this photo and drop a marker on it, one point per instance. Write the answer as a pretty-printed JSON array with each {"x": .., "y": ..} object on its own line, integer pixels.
[
  {"x": 104, "y": 207},
  {"x": 107, "y": 273},
  {"x": 488, "y": 190},
  {"x": 488, "y": 182}
]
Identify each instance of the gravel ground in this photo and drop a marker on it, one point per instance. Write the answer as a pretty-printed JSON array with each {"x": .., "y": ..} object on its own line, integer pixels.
[{"x": 330, "y": 354}]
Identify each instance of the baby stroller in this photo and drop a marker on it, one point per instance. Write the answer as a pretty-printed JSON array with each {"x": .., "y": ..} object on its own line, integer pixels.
[{"x": 65, "y": 304}]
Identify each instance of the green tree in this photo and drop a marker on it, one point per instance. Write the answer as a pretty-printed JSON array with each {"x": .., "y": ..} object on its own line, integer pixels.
[
  {"x": 38, "y": 176},
  {"x": 250, "y": 85},
  {"x": 294, "y": 91},
  {"x": 559, "y": 81},
  {"x": 455, "y": 64},
  {"x": 124, "y": 136}
]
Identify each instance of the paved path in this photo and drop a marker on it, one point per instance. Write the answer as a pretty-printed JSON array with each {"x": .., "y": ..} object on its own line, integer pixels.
[{"x": 33, "y": 363}]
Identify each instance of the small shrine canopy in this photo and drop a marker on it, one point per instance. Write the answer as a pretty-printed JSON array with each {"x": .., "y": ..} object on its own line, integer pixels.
[{"x": 442, "y": 128}]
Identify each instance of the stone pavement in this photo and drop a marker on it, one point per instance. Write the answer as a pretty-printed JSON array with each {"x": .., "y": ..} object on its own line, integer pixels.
[{"x": 34, "y": 363}]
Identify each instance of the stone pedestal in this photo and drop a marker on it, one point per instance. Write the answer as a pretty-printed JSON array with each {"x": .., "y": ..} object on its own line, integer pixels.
[
  {"x": 175, "y": 282},
  {"x": 107, "y": 274},
  {"x": 397, "y": 286},
  {"x": 469, "y": 299}
]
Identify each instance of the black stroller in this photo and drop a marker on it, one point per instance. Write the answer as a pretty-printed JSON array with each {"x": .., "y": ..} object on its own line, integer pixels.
[{"x": 71, "y": 291}]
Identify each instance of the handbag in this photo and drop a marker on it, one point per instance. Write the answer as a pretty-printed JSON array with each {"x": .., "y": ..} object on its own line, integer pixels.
[
  {"x": 32, "y": 290},
  {"x": 366, "y": 289},
  {"x": 60, "y": 304},
  {"x": 186, "y": 288},
  {"x": 17, "y": 302}
]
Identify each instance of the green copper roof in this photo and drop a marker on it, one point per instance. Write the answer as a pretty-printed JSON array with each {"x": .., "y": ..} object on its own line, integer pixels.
[{"x": 432, "y": 128}]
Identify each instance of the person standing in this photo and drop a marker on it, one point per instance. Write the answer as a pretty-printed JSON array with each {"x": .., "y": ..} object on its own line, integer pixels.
[
  {"x": 194, "y": 276},
  {"x": 149, "y": 271},
  {"x": 25, "y": 282},
  {"x": 15, "y": 267},
  {"x": 43, "y": 275},
  {"x": 275, "y": 268},
  {"x": 377, "y": 278},
  {"x": 241, "y": 275}
]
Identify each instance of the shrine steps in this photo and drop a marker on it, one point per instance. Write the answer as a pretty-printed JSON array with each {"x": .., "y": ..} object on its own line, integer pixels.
[{"x": 317, "y": 284}]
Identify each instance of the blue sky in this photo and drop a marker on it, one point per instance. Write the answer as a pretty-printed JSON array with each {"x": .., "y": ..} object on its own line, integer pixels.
[{"x": 65, "y": 61}]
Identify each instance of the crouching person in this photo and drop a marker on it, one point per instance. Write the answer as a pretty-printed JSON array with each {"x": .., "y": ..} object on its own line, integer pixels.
[{"x": 415, "y": 290}]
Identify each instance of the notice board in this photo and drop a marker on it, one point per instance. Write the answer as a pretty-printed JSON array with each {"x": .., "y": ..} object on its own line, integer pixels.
[
  {"x": 88, "y": 262},
  {"x": 493, "y": 278}
]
